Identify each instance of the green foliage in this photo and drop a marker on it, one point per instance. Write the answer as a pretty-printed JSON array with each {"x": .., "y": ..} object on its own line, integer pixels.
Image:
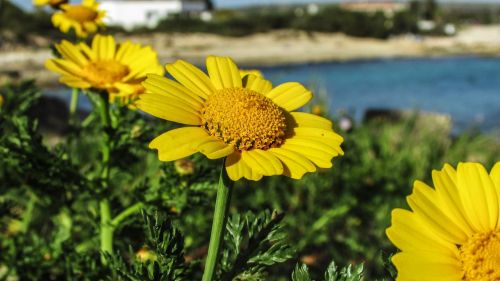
[
  {"x": 163, "y": 258},
  {"x": 333, "y": 273},
  {"x": 49, "y": 201},
  {"x": 254, "y": 242},
  {"x": 329, "y": 19}
]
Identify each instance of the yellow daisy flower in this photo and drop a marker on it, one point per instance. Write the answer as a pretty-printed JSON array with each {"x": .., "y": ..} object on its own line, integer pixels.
[
  {"x": 453, "y": 233},
  {"x": 53, "y": 3},
  {"x": 246, "y": 120},
  {"x": 106, "y": 66},
  {"x": 84, "y": 18}
]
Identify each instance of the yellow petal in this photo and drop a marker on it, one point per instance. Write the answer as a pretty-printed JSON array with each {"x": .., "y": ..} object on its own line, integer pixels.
[
  {"x": 264, "y": 162},
  {"x": 147, "y": 63},
  {"x": 223, "y": 72},
  {"x": 478, "y": 195},
  {"x": 318, "y": 133},
  {"x": 127, "y": 52},
  {"x": 40, "y": 2},
  {"x": 447, "y": 191},
  {"x": 409, "y": 232},
  {"x": 322, "y": 137},
  {"x": 318, "y": 157},
  {"x": 257, "y": 84},
  {"x": 63, "y": 67},
  {"x": 495, "y": 177},
  {"x": 176, "y": 92},
  {"x": 245, "y": 72},
  {"x": 290, "y": 95},
  {"x": 214, "y": 148},
  {"x": 428, "y": 267},
  {"x": 236, "y": 168},
  {"x": 74, "y": 82},
  {"x": 161, "y": 106},
  {"x": 302, "y": 119},
  {"x": 104, "y": 47},
  {"x": 191, "y": 77},
  {"x": 87, "y": 51},
  {"x": 72, "y": 53},
  {"x": 426, "y": 204},
  {"x": 314, "y": 144},
  {"x": 295, "y": 165},
  {"x": 317, "y": 145},
  {"x": 177, "y": 143}
]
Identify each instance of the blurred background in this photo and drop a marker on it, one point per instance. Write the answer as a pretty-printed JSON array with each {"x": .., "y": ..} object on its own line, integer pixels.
[
  {"x": 409, "y": 84},
  {"x": 435, "y": 56}
]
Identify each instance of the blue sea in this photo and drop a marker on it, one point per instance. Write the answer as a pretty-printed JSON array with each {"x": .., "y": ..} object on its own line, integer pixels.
[{"x": 466, "y": 88}]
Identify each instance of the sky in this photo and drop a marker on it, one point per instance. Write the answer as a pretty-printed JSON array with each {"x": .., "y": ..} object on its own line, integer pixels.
[{"x": 240, "y": 3}]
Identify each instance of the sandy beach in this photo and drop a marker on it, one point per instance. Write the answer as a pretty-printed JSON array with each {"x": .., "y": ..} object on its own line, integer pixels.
[{"x": 274, "y": 48}]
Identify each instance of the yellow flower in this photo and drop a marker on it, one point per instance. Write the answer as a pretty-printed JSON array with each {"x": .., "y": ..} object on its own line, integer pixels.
[
  {"x": 453, "y": 233},
  {"x": 1, "y": 100},
  {"x": 53, "y": 3},
  {"x": 145, "y": 254},
  {"x": 184, "y": 167},
  {"x": 246, "y": 120},
  {"x": 117, "y": 69},
  {"x": 84, "y": 18},
  {"x": 317, "y": 109}
]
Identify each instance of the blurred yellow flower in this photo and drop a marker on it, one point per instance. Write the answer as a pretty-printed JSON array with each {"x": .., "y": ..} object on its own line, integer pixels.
[
  {"x": 1, "y": 100},
  {"x": 248, "y": 121},
  {"x": 84, "y": 18},
  {"x": 184, "y": 167},
  {"x": 145, "y": 254},
  {"x": 53, "y": 3},
  {"x": 117, "y": 69},
  {"x": 317, "y": 110},
  {"x": 453, "y": 232}
]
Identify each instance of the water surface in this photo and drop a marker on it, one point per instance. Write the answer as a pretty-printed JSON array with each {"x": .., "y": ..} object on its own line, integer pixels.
[{"x": 466, "y": 88}]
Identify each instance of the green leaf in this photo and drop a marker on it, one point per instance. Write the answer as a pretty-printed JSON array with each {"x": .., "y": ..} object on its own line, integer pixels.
[
  {"x": 301, "y": 273},
  {"x": 254, "y": 243}
]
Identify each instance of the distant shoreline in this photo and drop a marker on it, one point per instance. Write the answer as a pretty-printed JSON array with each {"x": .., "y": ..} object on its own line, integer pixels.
[{"x": 277, "y": 48}]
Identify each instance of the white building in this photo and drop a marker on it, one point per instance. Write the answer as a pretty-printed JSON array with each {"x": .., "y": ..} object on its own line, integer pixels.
[{"x": 147, "y": 13}]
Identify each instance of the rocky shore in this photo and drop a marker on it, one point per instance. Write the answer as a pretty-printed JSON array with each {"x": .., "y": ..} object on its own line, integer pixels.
[{"x": 274, "y": 48}]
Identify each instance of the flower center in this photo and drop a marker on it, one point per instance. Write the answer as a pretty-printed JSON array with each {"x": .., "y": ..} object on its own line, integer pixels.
[
  {"x": 480, "y": 257},
  {"x": 244, "y": 118},
  {"x": 100, "y": 73},
  {"x": 80, "y": 13}
]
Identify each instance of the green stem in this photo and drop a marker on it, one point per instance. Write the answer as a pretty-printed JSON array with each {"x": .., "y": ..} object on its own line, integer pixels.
[
  {"x": 73, "y": 104},
  {"x": 106, "y": 227},
  {"x": 106, "y": 234},
  {"x": 224, "y": 191},
  {"x": 28, "y": 213},
  {"x": 126, "y": 213}
]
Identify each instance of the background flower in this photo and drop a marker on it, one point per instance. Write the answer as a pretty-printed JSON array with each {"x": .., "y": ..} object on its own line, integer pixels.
[
  {"x": 84, "y": 18},
  {"x": 117, "y": 69}
]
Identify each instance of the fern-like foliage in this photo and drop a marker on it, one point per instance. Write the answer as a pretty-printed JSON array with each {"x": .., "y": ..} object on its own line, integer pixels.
[
  {"x": 254, "y": 242},
  {"x": 333, "y": 273},
  {"x": 165, "y": 261}
]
